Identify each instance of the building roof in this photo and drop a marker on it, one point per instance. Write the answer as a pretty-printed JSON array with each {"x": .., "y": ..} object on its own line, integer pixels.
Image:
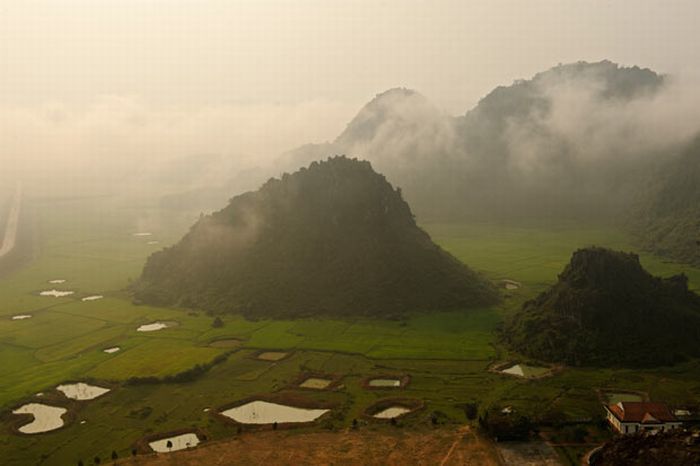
[{"x": 642, "y": 412}]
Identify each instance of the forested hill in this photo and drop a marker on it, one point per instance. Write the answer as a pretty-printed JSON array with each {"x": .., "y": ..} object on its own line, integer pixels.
[
  {"x": 606, "y": 310},
  {"x": 668, "y": 221},
  {"x": 334, "y": 239}
]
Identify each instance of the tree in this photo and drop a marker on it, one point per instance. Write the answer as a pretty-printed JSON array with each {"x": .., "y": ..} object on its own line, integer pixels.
[
  {"x": 133, "y": 452},
  {"x": 114, "y": 455},
  {"x": 217, "y": 323},
  {"x": 169, "y": 445},
  {"x": 97, "y": 460},
  {"x": 471, "y": 410},
  {"x": 80, "y": 463}
]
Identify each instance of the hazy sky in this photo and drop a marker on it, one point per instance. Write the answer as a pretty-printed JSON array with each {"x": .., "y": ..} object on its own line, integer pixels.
[
  {"x": 202, "y": 51},
  {"x": 228, "y": 73}
]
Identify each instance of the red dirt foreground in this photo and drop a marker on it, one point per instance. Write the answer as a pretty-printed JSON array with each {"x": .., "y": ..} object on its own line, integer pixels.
[{"x": 444, "y": 446}]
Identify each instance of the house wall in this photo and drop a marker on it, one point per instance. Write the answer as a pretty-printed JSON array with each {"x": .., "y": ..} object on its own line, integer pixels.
[{"x": 632, "y": 427}]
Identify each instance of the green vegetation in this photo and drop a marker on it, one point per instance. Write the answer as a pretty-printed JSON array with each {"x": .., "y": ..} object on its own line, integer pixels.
[
  {"x": 668, "y": 221},
  {"x": 607, "y": 310},
  {"x": 446, "y": 354},
  {"x": 334, "y": 239}
]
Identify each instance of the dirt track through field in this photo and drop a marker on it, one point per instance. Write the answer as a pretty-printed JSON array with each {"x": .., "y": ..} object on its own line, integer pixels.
[
  {"x": 10, "y": 237},
  {"x": 398, "y": 447}
]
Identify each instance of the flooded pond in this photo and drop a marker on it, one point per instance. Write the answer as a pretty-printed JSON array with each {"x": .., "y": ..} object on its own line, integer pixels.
[
  {"x": 142, "y": 233},
  {"x": 46, "y": 418},
  {"x": 511, "y": 284},
  {"x": 111, "y": 350},
  {"x": 57, "y": 281},
  {"x": 616, "y": 397},
  {"x": 56, "y": 293},
  {"x": 93, "y": 298},
  {"x": 228, "y": 343},
  {"x": 21, "y": 317},
  {"x": 384, "y": 382},
  {"x": 155, "y": 326},
  {"x": 153, "y": 242},
  {"x": 177, "y": 442},
  {"x": 263, "y": 412},
  {"x": 81, "y": 391},
  {"x": 523, "y": 370},
  {"x": 315, "y": 382},
  {"x": 272, "y": 355},
  {"x": 392, "y": 412}
]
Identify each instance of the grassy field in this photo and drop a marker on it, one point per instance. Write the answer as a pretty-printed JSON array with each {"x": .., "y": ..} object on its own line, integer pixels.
[{"x": 446, "y": 354}]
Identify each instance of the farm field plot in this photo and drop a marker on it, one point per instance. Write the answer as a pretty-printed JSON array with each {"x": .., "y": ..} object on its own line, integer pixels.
[{"x": 445, "y": 355}]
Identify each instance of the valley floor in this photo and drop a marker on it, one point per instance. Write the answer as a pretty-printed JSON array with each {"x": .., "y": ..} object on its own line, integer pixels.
[{"x": 97, "y": 248}]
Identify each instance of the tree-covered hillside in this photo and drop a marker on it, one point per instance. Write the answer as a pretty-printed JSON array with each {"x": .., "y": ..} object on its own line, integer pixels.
[
  {"x": 606, "y": 310},
  {"x": 334, "y": 239},
  {"x": 668, "y": 221}
]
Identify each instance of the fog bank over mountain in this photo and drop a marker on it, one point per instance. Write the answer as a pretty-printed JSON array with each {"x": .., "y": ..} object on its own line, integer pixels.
[{"x": 571, "y": 141}]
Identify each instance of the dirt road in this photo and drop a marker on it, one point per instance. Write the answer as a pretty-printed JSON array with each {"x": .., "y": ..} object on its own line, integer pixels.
[{"x": 10, "y": 236}]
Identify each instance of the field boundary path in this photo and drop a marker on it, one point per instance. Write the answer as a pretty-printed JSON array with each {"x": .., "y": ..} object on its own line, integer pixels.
[{"x": 10, "y": 237}]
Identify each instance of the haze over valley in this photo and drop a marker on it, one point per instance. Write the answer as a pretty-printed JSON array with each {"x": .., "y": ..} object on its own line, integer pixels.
[{"x": 323, "y": 232}]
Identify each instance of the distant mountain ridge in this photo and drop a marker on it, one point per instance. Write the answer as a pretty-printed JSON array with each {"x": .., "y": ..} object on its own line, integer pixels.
[
  {"x": 606, "y": 310},
  {"x": 331, "y": 239},
  {"x": 505, "y": 158}
]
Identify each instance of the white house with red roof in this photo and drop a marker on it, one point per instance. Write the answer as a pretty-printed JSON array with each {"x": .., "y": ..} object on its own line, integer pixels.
[{"x": 628, "y": 417}]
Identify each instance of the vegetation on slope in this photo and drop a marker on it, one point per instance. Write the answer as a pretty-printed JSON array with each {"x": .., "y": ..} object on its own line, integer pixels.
[
  {"x": 679, "y": 447},
  {"x": 335, "y": 238},
  {"x": 669, "y": 220},
  {"x": 606, "y": 310}
]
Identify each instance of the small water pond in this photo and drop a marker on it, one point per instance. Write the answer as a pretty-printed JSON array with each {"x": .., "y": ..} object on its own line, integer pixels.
[
  {"x": 81, "y": 391},
  {"x": 22, "y": 317},
  {"x": 177, "y": 442},
  {"x": 155, "y": 326},
  {"x": 93, "y": 298},
  {"x": 46, "y": 418},
  {"x": 56, "y": 293},
  {"x": 527, "y": 371},
  {"x": 385, "y": 383},
  {"x": 392, "y": 412},
  {"x": 272, "y": 355},
  {"x": 263, "y": 412},
  {"x": 317, "y": 383}
]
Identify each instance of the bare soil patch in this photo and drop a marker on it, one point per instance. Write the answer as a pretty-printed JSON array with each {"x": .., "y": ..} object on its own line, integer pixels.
[{"x": 387, "y": 446}]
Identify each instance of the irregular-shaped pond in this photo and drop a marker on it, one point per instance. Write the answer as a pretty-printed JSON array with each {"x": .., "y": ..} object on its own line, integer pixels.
[
  {"x": 392, "y": 412},
  {"x": 111, "y": 350},
  {"x": 315, "y": 382},
  {"x": 177, "y": 442},
  {"x": 21, "y": 317},
  {"x": 81, "y": 391},
  {"x": 263, "y": 412},
  {"x": 272, "y": 355},
  {"x": 155, "y": 326},
  {"x": 46, "y": 418},
  {"x": 524, "y": 370}
]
